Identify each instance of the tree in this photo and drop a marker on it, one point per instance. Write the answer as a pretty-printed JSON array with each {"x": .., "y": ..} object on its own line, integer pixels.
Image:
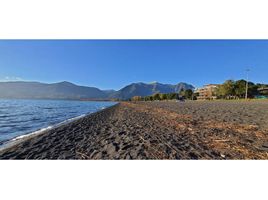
[
  {"x": 226, "y": 90},
  {"x": 163, "y": 96},
  {"x": 252, "y": 90},
  {"x": 171, "y": 96},
  {"x": 188, "y": 94},
  {"x": 229, "y": 87},
  {"x": 156, "y": 96},
  {"x": 147, "y": 98},
  {"x": 136, "y": 98},
  {"x": 240, "y": 88},
  {"x": 182, "y": 92}
]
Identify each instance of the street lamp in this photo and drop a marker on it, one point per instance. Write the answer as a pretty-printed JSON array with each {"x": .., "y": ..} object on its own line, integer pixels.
[{"x": 246, "y": 96}]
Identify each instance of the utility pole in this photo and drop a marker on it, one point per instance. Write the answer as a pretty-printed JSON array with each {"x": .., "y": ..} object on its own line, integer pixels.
[{"x": 246, "y": 96}]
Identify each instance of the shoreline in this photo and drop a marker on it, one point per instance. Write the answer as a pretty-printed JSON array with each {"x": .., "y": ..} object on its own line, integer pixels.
[
  {"x": 146, "y": 131},
  {"x": 22, "y": 138},
  {"x": 54, "y": 99}
]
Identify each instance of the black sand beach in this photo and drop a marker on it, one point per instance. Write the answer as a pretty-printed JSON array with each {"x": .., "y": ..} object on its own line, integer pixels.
[{"x": 156, "y": 130}]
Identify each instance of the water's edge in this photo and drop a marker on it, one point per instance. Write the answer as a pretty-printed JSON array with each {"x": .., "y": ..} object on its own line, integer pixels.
[{"x": 22, "y": 138}]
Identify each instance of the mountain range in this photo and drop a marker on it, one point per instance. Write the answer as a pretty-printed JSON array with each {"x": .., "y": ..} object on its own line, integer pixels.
[
  {"x": 67, "y": 90},
  {"x": 144, "y": 89}
]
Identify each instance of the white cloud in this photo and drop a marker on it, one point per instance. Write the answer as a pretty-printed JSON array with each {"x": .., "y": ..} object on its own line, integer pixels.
[{"x": 10, "y": 78}]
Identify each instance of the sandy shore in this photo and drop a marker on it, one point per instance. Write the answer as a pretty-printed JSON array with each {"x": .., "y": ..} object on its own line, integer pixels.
[
  {"x": 154, "y": 130},
  {"x": 253, "y": 112}
]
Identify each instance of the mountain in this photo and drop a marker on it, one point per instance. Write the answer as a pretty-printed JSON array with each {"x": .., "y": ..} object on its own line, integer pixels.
[
  {"x": 67, "y": 90},
  {"x": 144, "y": 89},
  {"x": 36, "y": 90},
  {"x": 109, "y": 92}
]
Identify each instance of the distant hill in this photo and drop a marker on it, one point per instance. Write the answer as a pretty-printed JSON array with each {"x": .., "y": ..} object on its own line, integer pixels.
[
  {"x": 144, "y": 89},
  {"x": 109, "y": 92},
  {"x": 36, "y": 90},
  {"x": 67, "y": 90}
]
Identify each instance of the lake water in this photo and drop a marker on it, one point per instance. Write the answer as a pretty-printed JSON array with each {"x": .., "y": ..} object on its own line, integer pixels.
[{"x": 20, "y": 117}]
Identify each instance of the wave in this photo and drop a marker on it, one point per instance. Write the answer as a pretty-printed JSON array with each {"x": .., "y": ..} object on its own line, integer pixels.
[
  {"x": 47, "y": 108},
  {"x": 49, "y": 127},
  {"x": 7, "y": 143},
  {"x": 71, "y": 119},
  {"x": 4, "y": 115},
  {"x": 32, "y": 133}
]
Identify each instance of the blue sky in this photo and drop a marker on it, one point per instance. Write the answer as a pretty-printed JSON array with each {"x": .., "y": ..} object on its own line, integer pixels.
[{"x": 112, "y": 64}]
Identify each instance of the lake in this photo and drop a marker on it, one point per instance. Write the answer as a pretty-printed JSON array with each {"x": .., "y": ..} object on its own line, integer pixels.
[{"x": 20, "y": 117}]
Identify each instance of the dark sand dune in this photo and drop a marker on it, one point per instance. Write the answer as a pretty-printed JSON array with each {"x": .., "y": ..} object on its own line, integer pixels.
[{"x": 147, "y": 131}]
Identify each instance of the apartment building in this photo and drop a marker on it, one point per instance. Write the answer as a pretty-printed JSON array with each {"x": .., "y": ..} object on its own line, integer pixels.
[{"x": 207, "y": 92}]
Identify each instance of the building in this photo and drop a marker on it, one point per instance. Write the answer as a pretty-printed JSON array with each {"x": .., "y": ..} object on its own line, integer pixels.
[
  {"x": 207, "y": 92},
  {"x": 263, "y": 93},
  {"x": 263, "y": 90}
]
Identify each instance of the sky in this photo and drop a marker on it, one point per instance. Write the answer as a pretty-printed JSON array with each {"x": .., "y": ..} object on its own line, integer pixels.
[{"x": 113, "y": 64}]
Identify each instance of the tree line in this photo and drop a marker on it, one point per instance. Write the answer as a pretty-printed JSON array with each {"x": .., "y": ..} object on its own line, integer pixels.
[
  {"x": 183, "y": 94},
  {"x": 231, "y": 89}
]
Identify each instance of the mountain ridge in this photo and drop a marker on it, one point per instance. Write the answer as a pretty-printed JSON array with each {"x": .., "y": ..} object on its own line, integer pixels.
[
  {"x": 68, "y": 90},
  {"x": 146, "y": 89}
]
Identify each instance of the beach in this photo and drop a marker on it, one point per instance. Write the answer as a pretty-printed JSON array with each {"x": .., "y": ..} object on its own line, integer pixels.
[{"x": 156, "y": 130}]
